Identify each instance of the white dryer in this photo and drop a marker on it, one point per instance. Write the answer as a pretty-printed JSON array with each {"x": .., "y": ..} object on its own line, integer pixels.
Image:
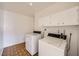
[
  {"x": 31, "y": 42},
  {"x": 51, "y": 46}
]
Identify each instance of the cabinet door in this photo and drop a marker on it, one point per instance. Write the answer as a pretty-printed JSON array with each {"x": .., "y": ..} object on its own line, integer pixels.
[
  {"x": 55, "y": 20},
  {"x": 70, "y": 17},
  {"x": 44, "y": 21},
  {"x": 67, "y": 17}
]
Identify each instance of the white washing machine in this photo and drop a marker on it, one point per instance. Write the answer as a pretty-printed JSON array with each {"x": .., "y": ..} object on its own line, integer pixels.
[
  {"x": 51, "y": 46},
  {"x": 31, "y": 42}
]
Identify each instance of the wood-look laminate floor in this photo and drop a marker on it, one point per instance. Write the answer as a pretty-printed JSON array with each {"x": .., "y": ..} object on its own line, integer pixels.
[{"x": 16, "y": 50}]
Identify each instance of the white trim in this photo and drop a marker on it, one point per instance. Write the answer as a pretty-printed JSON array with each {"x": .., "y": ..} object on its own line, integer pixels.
[{"x": 1, "y": 52}]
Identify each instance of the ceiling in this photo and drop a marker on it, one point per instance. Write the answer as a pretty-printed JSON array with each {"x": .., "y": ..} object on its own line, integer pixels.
[{"x": 25, "y": 8}]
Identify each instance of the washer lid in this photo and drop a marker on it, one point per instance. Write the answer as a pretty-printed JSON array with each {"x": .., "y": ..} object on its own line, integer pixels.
[{"x": 56, "y": 42}]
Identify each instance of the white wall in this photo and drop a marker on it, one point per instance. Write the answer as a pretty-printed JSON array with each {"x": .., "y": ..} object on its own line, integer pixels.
[
  {"x": 56, "y": 7},
  {"x": 15, "y": 28}
]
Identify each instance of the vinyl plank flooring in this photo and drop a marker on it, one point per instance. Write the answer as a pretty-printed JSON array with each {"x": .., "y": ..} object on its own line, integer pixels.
[{"x": 16, "y": 50}]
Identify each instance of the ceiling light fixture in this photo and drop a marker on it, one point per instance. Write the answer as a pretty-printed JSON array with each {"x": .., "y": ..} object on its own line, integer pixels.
[{"x": 30, "y": 4}]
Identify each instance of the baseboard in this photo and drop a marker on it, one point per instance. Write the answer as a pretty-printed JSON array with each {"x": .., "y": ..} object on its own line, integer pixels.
[{"x": 12, "y": 44}]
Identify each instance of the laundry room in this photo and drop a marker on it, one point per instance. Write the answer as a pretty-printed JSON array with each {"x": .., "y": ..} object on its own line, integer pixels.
[{"x": 39, "y": 28}]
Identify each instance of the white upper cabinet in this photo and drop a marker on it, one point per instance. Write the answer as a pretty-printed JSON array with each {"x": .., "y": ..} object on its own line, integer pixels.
[
  {"x": 63, "y": 18},
  {"x": 70, "y": 17},
  {"x": 55, "y": 20},
  {"x": 44, "y": 21},
  {"x": 67, "y": 17}
]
